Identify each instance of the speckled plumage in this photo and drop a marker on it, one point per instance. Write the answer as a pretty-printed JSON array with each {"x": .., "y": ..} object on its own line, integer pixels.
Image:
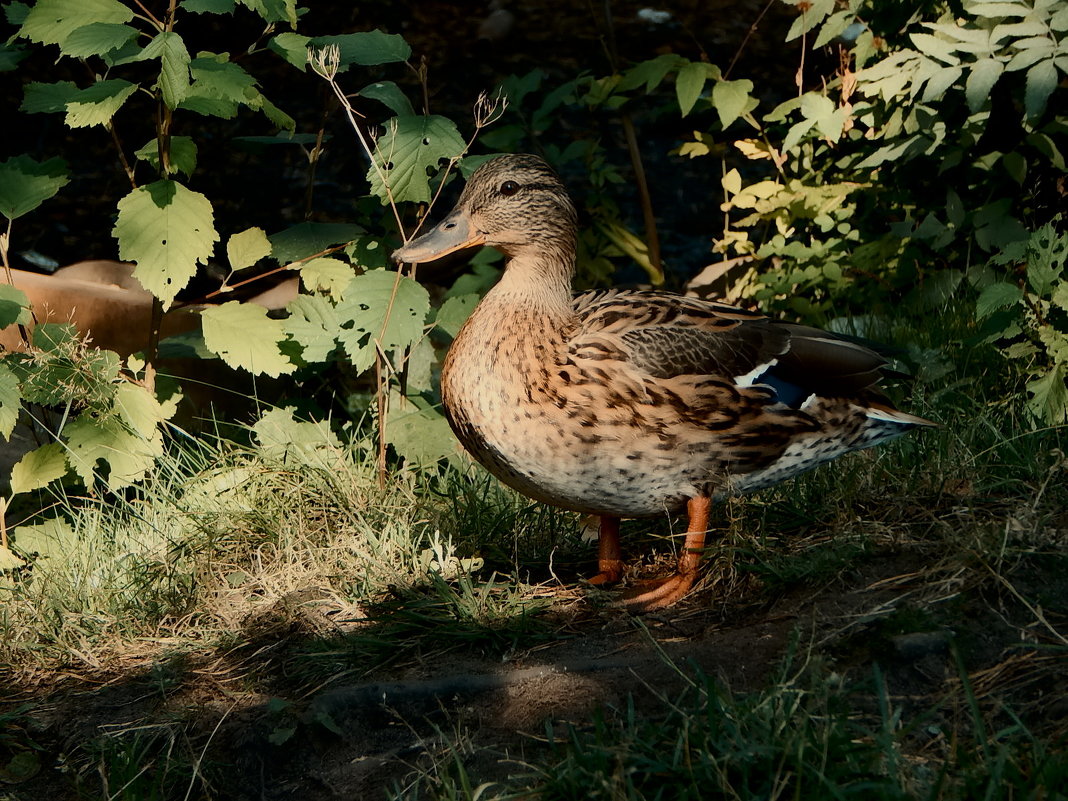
[{"x": 632, "y": 403}]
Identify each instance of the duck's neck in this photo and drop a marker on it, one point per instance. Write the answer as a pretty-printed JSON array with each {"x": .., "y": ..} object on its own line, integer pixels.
[{"x": 539, "y": 284}]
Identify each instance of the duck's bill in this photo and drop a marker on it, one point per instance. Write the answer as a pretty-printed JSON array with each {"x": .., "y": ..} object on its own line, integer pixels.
[{"x": 450, "y": 235}]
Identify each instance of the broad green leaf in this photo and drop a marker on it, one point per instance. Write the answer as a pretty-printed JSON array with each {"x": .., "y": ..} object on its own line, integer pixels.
[
  {"x": 390, "y": 95},
  {"x": 997, "y": 296},
  {"x": 981, "y": 80},
  {"x": 11, "y": 55},
  {"x": 308, "y": 238},
  {"x": 97, "y": 104},
  {"x": 454, "y": 313},
  {"x": 209, "y": 6},
  {"x": 406, "y": 151},
  {"x": 688, "y": 85},
  {"x": 14, "y": 305},
  {"x": 16, "y": 12},
  {"x": 382, "y": 307},
  {"x": 281, "y": 436},
  {"x": 39, "y": 468},
  {"x": 217, "y": 77},
  {"x": 274, "y": 10},
  {"x": 650, "y": 72},
  {"x": 327, "y": 274},
  {"x": 1060, "y": 295},
  {"x": 419, "y": 367},
  {"x": 10, "y": 561},
  {"x": 834, "y": 27},
  {"x": 731, "y": 99},
  {"x": 313, "y": 324},
  {"x": 10, "y": 401},
  {"x": 173, "y": 82},
  {"x": 419, "y": 432},
  {"x": 987, "y": 8},
  {"x": 52, "y": 538},
  {"x": 48, "y": 97},
  {"x": 97, "y": 39},
  {"x": 1041, "y": 81},
  {"x": 811, "y": 14},
  {"x": 183, "y": 154},
  {"x": 25, "y": 184},
  {"x": 202, "y": 101},
  {"x": 932, "y": 46},
  {"x": 138, "y": 408},
  {"x": 1049, "y": 401},
  {"x": 52, "y": 21},
  {"x": 272, "y": 112},
  {"x": 292, "y": 47},
  {"x": 938, "y": 83},
  {"x": 247, "y": 247},
  {"x": 366, "y": 49},
  {"x": 127, "y": 455},
  {"x": 166, "y": 230},
  {"x": 246, "y": 338}
]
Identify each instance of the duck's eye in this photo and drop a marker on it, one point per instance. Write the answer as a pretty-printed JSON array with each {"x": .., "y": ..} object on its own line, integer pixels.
[{"x": 509, "y": 188}]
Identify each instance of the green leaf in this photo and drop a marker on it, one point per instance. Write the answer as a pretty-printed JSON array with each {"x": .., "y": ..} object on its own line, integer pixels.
[
  {"x": 52, "y": 21},
  {"x": 215, "y": 76},
  {"x": 9, "y": 561},
  {"x": 389, "y": 93},
  {"x": 48, "y": 97},
  {"x": 997, "y": 296},
  {"x": 127, "y": 455},
  {"x": 418, "y": 432},
  {"x": 938, "y": 83},
  {"x": 52, "y": 538},
  {"x": 166, "y": 230},
  {"x": 97, "y": 104},
  {"x": 1049, "y": 401},
  {"x": 281, "y": 436},
  {"x": 11, "y": 55},
  {"x": 173, "y": 82},
  {"x": 406, "y": 151},
  {"x": 688, "y": 85},
  {"x": 1041, "y": 81},
  {"x": 209, "y": 6},
  {"x": 937, "y": 48},
  {"x": 247, "y": 247},
  {"x": 731, "y": 99},
  {"x": 366, "y": 49},
  {"x": 138, "y": 407},
  {"x": 330, "y": 275},
  {"x": 97, "y": 39},
  {"x": 292, "y": 47},
  {"x": 981, "y": 80},
  {"x": 246, "y": 338},
  {"x": 812, "y": 13},
  {"x": 308, "y": 238},
  {"x": 313, "y": 324},
  {"x": 14, "y": 305},
  {"x": 10, "y": 401},
  {"x": 16, "y": 12},
  {"x": 39, "y": 468},
  {"x": 25, "y": 184},
  {"x": 183, "y": 154},
  {"x": 382, "y": 307},
  {"x": 454, "y": 313},
  {"x": 650, "y": 72}
]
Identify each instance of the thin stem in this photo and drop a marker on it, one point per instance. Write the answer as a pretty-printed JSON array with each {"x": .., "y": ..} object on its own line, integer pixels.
[
  {"x": 5, "y": 244},
  {"x": 746, "y": 38}
]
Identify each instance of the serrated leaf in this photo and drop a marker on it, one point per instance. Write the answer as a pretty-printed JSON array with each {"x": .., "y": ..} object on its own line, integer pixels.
[
  {"x": 1060, "y": 295},
  {"x": 10, "y": 401},
  {"x": 247, "y": 247},
  {"x": 25, "y": 184},
  {"x": 308, "y": 238},
  {"x": 938, "y": 83},
  {"x": 730, "y": 99},
  {"x": 138, "y": 408},
  {"x": 39, "y": 468},
  {"x": 997, "y": 296},
  {"x": 454, "y": 313},
  {"x": 650, "y": 72},
  {"x": 48, "y": 97},
  {"x": 419, "y": 433},
  {"x": 244, "y": 337},
  {"x": 273, "y": 113},
  {"x": 293, "y": 47},
  {"x": 688, "y": 85},
  {"x": 11, "y": 55},
  {"x": 366, "y": 49},
  {"x": 14, "y": 306},
  {"x": 1041, "y": 81},
  {"x": 50, "y": 538},
  {"x": 384, "y": 307},
  {"x": 174, "y": 76},
  {"x": 209, "y": 6},
  {"x": 811, "y": 14},
  {"x": 1049, "y": 401},
  {"x": 183, "y": 154},
  {"x": 97, "y": 39},
  {"x": 390, "y": 95},
  {"x": 166, "y": 230},
  {"x": 215, "y": 76},
  {"x": 313, "y": 324},
  {"x": 16, "y": 12},
  {"x": 97, "y": 104},
  {"x": 327, "y": 274},
  {"x": 52, "y": 21},
  {"x": 406, "y": 151},
  {"x": 10, "y": 561},
  {"x": 281, "y": 436},
  {"x": 127, "y": 455},
  {"x": 981, "y": 80}
]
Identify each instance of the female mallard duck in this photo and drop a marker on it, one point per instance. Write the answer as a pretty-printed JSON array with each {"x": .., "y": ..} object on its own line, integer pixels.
[{"x": 633, "y": 403}]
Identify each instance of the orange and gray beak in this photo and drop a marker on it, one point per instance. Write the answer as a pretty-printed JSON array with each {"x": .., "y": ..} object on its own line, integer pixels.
[{"x": 453, "y": 233}]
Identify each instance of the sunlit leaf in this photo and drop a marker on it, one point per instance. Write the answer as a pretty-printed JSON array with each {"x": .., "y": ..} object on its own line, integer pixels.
[
  {"x": 1041, "y": 81},
  {"x": 174, "y": 80},
  {"x": 247, "y": 247},
  {"x": 39, "y": 468},
  {"x": 327, "y": 274},
  {"x": 52, "y": 21},
  {"x": 25, "y": 184},
  {"x": 97, "y": 104},
  {"x": 97, "y": 39},
  {"x": 246, "y": 338},
  {"x": 10, "y": 401},
  {"x": 409, "y": 148},
  {"x": 731, "y": 99},
  {"x": 381, "y": 307}
]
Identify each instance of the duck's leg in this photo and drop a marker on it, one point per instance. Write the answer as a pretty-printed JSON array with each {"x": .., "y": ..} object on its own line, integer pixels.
[
  {"x": 609, "y": 554},
  {"x": 660, "y": 593}
]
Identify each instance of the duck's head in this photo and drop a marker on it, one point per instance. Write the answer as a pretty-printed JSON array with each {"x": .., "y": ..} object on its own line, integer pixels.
[{"x": 514, "y": 203}]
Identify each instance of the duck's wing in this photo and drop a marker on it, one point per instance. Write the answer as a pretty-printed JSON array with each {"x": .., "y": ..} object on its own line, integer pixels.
[{"x": 662, "y": 336}]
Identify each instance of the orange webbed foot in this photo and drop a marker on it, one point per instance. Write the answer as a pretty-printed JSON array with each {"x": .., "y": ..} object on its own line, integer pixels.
[{"x": 648, "y": 596}]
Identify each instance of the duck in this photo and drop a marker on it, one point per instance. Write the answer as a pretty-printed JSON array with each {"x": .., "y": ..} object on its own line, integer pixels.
[{"x": 639, "y": 403}]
